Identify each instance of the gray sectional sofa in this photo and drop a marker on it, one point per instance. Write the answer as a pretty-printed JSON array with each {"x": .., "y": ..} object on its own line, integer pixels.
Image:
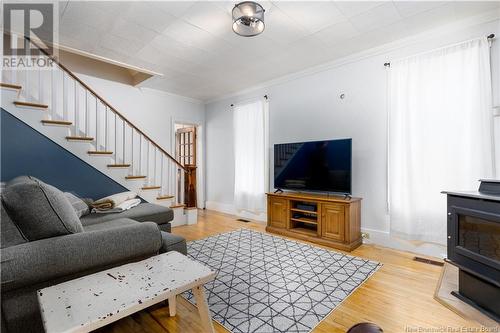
[{"x": 30, "y": 260}]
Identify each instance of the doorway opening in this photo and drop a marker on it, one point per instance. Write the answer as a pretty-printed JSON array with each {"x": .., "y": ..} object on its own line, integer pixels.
[{"x": 188, "y": 153}]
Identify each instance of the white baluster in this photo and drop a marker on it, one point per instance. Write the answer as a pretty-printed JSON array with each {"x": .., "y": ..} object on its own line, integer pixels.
[
  {"x": 116, "y": 140},
  {"x": 27, "y": 76},
  {"x": 40, "y": 90},
  {"x": 179, "y": 190},
  {"x": 106, "y": 128},
  {"x": 140, "y": 154},
  {"x": 123, "y": 141},
  {"x": 149, "y": 144},
  {"x": 96, "y": 126},
  {"x": 53, "y": 93},
  {"x": 65, "y": 97},
  {"x": 87, "y": 118},
  {"x": 161, "y": 174},
  {"x": 154, "y": 177},
  {"x": 77, "y": 110},
  {"x": 133, "y": 164}
]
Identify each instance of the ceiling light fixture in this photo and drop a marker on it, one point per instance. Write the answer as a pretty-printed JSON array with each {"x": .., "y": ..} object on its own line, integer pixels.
[{"x": 248, "y": 19}]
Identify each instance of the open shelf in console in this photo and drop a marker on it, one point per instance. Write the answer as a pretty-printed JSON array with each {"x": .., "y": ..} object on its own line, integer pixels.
[{"x": 304, "y": 217}]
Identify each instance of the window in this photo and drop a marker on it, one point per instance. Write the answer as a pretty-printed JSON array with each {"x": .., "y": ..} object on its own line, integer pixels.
[
  {"x": 251, "y": 162},
  {"x": 440, "y": 134}
]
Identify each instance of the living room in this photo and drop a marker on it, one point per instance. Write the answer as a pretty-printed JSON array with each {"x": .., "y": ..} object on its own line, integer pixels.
[{"x": 273, "y": 166}]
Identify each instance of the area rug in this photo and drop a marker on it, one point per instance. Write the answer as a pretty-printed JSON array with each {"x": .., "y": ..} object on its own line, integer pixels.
[{"x": 271, "y": 284}]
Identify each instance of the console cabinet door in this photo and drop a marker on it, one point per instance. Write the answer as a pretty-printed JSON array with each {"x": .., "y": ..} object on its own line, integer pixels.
[
  {"x": 278, "y": 212},
  {"x": 332, "y": 221}
]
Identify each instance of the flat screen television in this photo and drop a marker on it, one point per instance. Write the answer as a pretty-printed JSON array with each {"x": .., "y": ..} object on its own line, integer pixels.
[{"x": 322, "y": 166}]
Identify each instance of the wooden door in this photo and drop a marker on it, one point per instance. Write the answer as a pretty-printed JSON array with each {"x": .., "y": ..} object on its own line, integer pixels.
[
  {"x": 278, "y": 212},
  {"x": 333, "y": 221},
  {"x": 185, "y": 147},
  {"x": 185, "y": 153}
]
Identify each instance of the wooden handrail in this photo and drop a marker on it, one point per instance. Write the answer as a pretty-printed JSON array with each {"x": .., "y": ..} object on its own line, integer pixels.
[{"x": 70, "y": 73}]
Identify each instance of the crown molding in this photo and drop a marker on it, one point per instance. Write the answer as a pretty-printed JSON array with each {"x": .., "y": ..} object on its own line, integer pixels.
[{"x": 375, "y": 51}]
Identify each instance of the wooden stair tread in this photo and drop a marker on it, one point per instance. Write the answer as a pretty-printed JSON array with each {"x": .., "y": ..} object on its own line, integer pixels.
[
  {"x": 118, "y": 165},
  {"x": 31, "y": 104},
  {"x": 100, "y": 152},
  {"x": 79, "y": 138},
  {"x": 151, "y": 187},
  {"x": 135, "y": 177},
  {"x": 57, "y": 122},
  {"x": 10, "y": 86},
  {"x": 178, "y": 206},
  {"x": 164, "y": 197}
]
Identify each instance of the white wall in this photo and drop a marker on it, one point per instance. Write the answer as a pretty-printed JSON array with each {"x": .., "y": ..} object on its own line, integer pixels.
[
  {"x": 308, "y": 107},
  {"x": 151, "y": 110}
]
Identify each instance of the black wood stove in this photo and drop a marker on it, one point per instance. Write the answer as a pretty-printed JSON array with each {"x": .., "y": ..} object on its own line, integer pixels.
[{"x": 474, "y": 245}]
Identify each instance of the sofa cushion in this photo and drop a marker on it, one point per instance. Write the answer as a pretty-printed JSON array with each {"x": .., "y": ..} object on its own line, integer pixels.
[
  {"x": 11, "y": 235},
  {"x": 40, "y": 210},
  {"x": 116, "y": 223},
  {"x": 142, "y": 213},
  {"x": 171, "y": 242}
]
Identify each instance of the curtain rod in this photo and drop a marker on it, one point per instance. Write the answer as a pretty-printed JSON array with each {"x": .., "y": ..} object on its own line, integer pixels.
[
  {"x": 489, "y": 37},
  {"x": 265, "y": 96}
]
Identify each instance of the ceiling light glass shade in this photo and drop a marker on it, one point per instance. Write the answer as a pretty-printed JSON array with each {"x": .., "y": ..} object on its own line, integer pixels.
[{"x": 248, "y": 19}]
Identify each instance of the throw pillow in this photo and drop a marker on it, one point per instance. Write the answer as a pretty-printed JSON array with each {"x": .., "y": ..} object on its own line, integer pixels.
[
  {"x": 40, "y": 210},
  {"x": 79, "y": 205}
]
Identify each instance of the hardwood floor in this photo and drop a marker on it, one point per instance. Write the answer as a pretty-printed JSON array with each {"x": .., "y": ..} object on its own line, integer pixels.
[{"x": 398, "y": 297}]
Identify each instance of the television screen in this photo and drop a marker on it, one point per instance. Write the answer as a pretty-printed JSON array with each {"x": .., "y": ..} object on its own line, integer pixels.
[{"x": 323, "y": 166}]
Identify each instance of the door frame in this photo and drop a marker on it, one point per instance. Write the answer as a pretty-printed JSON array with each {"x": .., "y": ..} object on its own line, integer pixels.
[{"x": 200, "y": 156}]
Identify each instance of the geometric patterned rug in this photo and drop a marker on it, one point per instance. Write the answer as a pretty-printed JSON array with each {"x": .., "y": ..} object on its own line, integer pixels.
[{"x": 268, "y": 284}]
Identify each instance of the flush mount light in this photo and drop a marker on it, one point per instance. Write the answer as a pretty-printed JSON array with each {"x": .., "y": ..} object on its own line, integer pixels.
[{"x": 248, "y": 19}]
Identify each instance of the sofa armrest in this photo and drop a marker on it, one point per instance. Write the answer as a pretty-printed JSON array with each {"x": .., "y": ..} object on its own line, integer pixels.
[{"x": 48, "y": 259}]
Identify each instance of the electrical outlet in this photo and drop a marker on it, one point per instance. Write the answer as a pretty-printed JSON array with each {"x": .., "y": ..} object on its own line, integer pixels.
[{"x": 365, "y": 235}]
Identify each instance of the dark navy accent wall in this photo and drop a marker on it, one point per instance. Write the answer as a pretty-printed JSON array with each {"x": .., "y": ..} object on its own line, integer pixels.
[{"x": 24, "y": 151}]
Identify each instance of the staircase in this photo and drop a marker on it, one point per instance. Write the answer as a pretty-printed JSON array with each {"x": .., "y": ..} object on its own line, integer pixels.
[
  {"x": 283, "y": 155},
  {"x": 56, "y": 103}
]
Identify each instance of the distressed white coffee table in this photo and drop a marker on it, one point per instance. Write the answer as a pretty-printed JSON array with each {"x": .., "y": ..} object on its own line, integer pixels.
[{"x": 96, "y": 300}]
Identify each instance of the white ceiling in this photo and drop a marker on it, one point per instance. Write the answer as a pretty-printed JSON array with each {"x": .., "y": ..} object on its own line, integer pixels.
[{"x": 193, "y": 45}]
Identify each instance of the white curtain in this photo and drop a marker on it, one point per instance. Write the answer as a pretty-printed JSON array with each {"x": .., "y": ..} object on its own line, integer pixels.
[
  {"x": 440, "y": 134},
  {"x": 251, "y": 162}
]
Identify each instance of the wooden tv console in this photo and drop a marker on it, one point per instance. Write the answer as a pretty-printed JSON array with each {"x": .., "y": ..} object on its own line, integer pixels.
[{"x": 327, "y": 220}]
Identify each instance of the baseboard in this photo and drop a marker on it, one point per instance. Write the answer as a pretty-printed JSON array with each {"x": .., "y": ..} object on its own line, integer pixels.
[
  {"x": 384, "y": 238},
  {"x": 377, "y": 237},
  {"x": 230, "y": 209}
]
